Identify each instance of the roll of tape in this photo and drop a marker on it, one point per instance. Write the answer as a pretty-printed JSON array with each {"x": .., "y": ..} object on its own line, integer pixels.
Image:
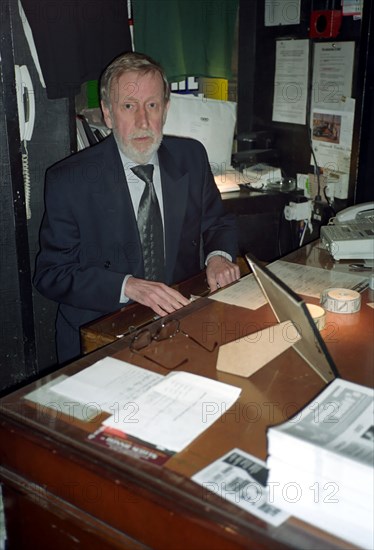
[
  {"x": 341, "y": 300},
  {"x": 318, "y": 315}
]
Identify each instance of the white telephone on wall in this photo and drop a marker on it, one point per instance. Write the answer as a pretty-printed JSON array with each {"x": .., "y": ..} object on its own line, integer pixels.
[
  {"x": 350, "y": 235},
  {"x": 26, "y": 117}
]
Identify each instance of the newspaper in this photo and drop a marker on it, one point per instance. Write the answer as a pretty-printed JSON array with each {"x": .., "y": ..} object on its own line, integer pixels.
[
  {"x": 321, "y": 463},
  {"x": 338, "y": 422},
  {"x": 241, "y": 478}
]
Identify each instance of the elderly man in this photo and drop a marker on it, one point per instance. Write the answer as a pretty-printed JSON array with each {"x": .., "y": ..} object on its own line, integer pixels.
[{"x": 132, "y": 215}]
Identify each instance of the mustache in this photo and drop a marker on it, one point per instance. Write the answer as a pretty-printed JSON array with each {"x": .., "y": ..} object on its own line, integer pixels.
[{"x": 141, "y": 134}]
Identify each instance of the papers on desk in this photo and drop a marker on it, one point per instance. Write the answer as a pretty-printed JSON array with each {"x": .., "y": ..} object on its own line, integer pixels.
[
  {"x": 312, "y": 281},
  {"x": 321, "y": 463},
  {"x": 166, "y": 411},
  {"x": 229, "y": 180},
  {"x": 241, "y": 478},
  {"x": 302, "y": 279},
  {"x": 258, "y": 177},
  {"x": 109, "y": 385},
  {"x": 172, "y": 413},
  {"x": 262, "y": 175},
  {"x": 244, "y": 293},
  {"x": 44, "y": 396}
]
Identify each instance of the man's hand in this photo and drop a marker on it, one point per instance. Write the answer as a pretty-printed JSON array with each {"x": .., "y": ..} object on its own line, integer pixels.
[
  {"x": 158, "y": 296},
  {"x": 221, "y": 272}
]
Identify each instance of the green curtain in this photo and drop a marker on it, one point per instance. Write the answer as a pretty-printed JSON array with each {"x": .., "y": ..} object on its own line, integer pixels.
[{"x": 188, "y": 37}]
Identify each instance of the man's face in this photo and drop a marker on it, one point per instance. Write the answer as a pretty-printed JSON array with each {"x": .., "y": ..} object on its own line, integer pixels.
[{"x": 137, "y": 114}]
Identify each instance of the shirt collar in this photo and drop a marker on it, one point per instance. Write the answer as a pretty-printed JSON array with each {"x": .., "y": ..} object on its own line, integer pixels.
[{"x": 128, "y": 163}]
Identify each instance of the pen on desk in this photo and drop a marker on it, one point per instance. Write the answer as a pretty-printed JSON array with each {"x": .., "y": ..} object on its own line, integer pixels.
[
  {"x": 360, "y": 267},
  {"x": 361, "y": 286}
]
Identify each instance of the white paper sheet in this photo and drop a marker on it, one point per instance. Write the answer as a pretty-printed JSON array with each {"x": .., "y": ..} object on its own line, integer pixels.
[
  {"x": 174, "y": 412},
  {"x": 244, "y": 293},
  {"x": 312, "y": 281},
  {"x": 56, "y": 404},
  {"x": 332, "y": 74},
  {"x": 353, "y": 7},
  {"x": 332, "y": 132},
  {"x": 282, "y": 12},
  {"x": 229, "y": 181},
  {"x": 241, "y": 479},
  {"x": 302, "y": 279},
  {"x": 332, "y": 107},
  {"x": 291, "y": 81},
  {"x": 109, "y": 384},
  {"x": 211, "y": 121}
]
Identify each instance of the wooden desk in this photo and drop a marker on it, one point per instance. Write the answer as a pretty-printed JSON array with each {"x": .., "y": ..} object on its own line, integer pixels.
[
  {"x": 63, "y": 491},
  {"x": 107, "y": 329}
]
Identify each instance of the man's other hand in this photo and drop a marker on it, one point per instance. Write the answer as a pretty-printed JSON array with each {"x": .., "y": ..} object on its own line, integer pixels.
[
  {"x": 158, "y": 296},
  {"x": 221, "y": 272}
]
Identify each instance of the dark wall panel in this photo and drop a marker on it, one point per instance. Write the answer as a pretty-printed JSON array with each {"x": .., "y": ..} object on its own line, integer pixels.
[
  {"x": 257, "y": 49},
  {"x": 26, "y": 319}
]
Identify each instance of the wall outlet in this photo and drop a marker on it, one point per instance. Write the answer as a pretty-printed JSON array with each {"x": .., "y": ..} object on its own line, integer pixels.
[{"x": 318, "y": 211}]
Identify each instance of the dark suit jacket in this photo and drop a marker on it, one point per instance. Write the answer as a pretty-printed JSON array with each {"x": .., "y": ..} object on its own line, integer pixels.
[{"x": 89, "y": 238}]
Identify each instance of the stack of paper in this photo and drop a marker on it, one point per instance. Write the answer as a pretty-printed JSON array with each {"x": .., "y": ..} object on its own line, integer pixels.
[
  {"x": 321, "y": 463},
  {"x": 173, "y": 412},
  {"x": 228, "y": 181},
  {"x": 168, "y": 412}
]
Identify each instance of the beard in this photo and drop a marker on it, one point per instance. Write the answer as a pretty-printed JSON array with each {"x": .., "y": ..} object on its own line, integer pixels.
[{"x": 131, "y": 152}]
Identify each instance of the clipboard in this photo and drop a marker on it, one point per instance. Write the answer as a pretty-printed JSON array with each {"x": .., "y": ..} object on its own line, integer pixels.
[{"x": 287, "y": 307}]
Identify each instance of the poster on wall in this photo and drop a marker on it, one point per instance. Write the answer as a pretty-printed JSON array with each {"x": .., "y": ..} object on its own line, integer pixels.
[
  {"x": 332, "y": 107},
  {"x": 281, "y": 12},
  {"x": 291, "y": 81},
  {"x": 332, "y": 132},
  {"x": 353, "y": 7},
  {"x": 332, "y": 73}
]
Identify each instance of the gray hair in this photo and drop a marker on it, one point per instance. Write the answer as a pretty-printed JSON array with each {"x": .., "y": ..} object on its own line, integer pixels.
[{"x": 130, "y": 62}]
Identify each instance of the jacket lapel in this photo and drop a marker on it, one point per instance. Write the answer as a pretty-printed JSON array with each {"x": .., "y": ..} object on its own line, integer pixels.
[
  {"x": 175, "y": 194},
  {"x": 116, "y": 202}
]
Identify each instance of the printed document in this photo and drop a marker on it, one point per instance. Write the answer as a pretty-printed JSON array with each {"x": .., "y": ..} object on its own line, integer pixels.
[
  {"x": 175, "y": 411},
  {"x": 108, "y": 384},
  {"x": 291, "y": 81},
  {"x": 241, "y": 478},
  {"x": 302, "y": 279}
]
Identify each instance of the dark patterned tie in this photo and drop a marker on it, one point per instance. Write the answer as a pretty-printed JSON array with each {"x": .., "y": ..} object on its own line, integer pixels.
[{"x": 150, "y": 226}]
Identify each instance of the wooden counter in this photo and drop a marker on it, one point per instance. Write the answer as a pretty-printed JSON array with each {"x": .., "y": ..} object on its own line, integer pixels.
[{"x": 62, "y": 490}]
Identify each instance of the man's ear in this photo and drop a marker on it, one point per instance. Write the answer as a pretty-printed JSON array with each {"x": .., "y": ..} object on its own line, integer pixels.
[{"x": 107, "y": 115}]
